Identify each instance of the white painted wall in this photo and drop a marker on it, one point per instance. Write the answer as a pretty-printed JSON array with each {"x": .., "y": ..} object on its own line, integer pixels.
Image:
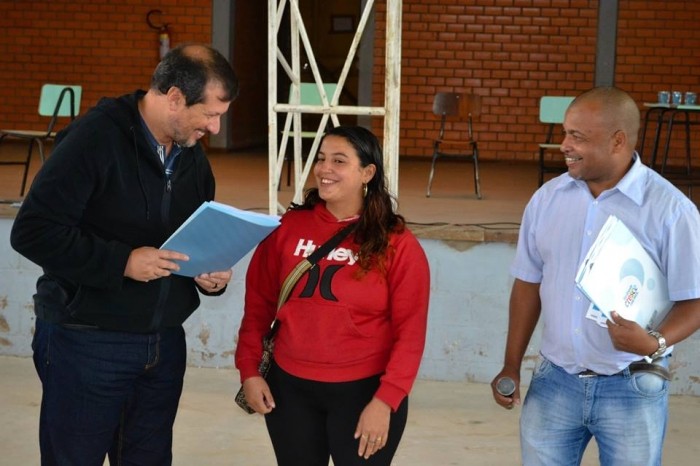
[{"x": 466, "y": 330}]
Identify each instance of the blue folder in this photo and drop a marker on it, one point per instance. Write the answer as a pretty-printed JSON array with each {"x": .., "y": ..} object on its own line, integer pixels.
[{"x": 216, "y": 236}]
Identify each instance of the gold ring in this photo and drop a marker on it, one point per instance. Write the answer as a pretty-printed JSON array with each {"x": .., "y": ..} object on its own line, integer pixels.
[
  {"x": 365, "y": 437},
  {"x": 379, "y": 439}
]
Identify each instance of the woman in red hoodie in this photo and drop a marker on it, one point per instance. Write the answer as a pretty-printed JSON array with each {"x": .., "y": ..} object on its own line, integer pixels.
[{"x": 352, "y": 332}]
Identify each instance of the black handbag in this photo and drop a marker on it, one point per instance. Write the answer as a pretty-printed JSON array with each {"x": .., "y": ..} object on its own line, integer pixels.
[{"x": 268, "y": 341}]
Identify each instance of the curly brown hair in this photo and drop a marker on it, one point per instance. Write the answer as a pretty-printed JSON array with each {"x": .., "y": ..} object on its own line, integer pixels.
[{"x": 378, "y": 220}]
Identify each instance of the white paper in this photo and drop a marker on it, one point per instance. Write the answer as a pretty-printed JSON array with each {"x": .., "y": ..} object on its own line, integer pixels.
[
  {"x": 596, "y": 316},
  {"x": 617, "y": 274}
]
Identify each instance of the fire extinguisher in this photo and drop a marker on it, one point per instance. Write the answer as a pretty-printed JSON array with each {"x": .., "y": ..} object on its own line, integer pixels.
[
  {"x": 163, "y": 33},
  {"x": 164, "y": 40}
]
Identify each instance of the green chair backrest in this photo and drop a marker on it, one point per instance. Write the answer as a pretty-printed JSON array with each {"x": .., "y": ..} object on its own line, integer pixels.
[
  {"x": 50, "y": 93},
  {"x": 553, "y": 108},
  {"x": 308, "y": 93}
]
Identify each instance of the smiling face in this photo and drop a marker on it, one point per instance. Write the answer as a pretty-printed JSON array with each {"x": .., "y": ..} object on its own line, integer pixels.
[
  {"x": 340, "y": 176},
  {"x": 189, "y": 124},
  {"x": 595, "y": 150}
]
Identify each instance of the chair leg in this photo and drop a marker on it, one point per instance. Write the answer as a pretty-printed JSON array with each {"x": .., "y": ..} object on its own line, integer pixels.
[
  {"x": 477, "y": 182},
  {"x": 432, "y": 173},
  {"x": 688, "y": 163},
  {"x": 289, "y": 176},
  {"x": 289, "y": 170},
  {"x": 40, "y": 144},
  {"x": 540, "y": 178},
  {"x": 26, "y": 167}
]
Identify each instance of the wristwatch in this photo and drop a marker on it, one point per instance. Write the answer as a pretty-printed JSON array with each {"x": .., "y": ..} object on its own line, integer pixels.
[{"x": 662, "y": 344}]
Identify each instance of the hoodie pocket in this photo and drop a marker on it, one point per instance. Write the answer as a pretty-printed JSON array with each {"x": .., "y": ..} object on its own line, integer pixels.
[{"x": 325, "y": 333}]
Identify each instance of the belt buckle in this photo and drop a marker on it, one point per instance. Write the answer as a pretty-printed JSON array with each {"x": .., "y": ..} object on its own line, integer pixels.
[{"x": 587, "y": 374}]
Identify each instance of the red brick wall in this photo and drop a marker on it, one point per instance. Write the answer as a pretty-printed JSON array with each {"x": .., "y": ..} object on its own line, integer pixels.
[
  {"x": 512, "y": 52},
  {"x": 659, "y": 49},
  {"x": 106, "y": 46}
]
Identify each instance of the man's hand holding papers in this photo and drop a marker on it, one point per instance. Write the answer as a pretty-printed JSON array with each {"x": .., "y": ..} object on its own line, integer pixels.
[
  {"x": 216, "y": 236},
  {"x": 618, "y": 275}
]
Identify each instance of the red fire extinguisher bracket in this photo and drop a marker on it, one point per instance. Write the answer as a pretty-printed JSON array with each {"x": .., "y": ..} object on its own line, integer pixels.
[{"x": 163, "y": 32}]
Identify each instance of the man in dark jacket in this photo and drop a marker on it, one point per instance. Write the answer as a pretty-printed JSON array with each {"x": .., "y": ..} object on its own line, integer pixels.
[{"x": 109, "y": 346}]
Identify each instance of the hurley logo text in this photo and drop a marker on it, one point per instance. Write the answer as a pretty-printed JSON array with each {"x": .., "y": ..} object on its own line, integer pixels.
[{"x": 306, "y": 247}]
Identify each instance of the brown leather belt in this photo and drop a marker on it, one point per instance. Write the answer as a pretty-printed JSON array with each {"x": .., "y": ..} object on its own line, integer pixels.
[{"x": 635, "y": 367}]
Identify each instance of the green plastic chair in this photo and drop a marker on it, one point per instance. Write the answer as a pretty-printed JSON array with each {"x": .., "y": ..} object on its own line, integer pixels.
[
  {"x": 308, "y": 95},
  {"x": 57, "y": 100},
  {"x": 552, "y": 111}
]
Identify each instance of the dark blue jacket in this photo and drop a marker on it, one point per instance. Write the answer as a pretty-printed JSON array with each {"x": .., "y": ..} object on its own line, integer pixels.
[{"x": 101, "y": 194}]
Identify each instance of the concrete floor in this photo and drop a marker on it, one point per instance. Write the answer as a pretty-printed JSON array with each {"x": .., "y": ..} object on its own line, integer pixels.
[
  {"x": 449, "y": 423},
  {"x": 242, "y": 182}
]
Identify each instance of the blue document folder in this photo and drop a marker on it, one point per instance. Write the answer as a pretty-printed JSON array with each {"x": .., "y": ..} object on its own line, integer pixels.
[
  {"x": 618, "y": 274},
  {"x": 216, "y": 236}
]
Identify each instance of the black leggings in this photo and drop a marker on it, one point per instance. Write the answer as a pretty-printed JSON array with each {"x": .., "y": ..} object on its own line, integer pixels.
[{"x": 314, "y": 421}]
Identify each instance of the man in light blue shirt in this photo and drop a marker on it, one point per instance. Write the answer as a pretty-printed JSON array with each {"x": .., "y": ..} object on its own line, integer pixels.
[{"x": 593, "y": 381}]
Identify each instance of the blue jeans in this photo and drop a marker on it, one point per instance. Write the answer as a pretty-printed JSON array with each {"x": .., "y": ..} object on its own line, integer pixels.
[
  {"x": 626, "y": 413},
  {"x": 107, "y": 393}
]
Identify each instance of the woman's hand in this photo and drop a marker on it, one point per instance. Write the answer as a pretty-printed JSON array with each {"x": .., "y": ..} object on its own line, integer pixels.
[
  {"x": 373, "y": 427},
  {"x": 258, "y": 395}
]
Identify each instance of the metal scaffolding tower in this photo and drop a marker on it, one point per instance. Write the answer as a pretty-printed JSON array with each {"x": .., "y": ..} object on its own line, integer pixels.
[{"x": 329, "y": 107}]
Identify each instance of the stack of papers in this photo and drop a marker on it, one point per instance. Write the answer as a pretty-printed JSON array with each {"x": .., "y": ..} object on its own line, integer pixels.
[
  {"x": 618, "y": 274},
  {"x": 216, "y": 236}
]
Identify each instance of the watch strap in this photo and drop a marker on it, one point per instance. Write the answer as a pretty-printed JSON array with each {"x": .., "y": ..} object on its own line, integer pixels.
[{"x": 662, "y": 344}]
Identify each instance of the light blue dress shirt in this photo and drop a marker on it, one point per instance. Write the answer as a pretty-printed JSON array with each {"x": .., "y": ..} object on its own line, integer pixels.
[{"x": 560, "y": 223}]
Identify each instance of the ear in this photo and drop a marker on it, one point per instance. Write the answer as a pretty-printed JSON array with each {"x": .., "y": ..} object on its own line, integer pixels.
[
  {"x": 368, "y": 173},
  {"x": 619, "y": 141},
  {"x": 174, "y": 97}
]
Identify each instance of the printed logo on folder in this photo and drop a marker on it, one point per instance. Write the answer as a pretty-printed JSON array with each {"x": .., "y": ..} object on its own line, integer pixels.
[{"x": 618, "y": 274}]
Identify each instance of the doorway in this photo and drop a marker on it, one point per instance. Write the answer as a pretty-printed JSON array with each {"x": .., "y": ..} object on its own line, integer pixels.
[{"x": 330, "y": 25}]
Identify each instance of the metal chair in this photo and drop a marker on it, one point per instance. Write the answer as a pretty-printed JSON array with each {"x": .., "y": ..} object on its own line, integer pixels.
[
  {"x": 456, "y": 139},
  {"x": 57, "y": 100},
  {"x": 552, "y": 111}
]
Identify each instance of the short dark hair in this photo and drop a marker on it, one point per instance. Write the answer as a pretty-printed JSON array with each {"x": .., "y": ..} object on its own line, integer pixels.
[
  {"x": 190, "y": 67},
  {"x": 617, "y": 106}
]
